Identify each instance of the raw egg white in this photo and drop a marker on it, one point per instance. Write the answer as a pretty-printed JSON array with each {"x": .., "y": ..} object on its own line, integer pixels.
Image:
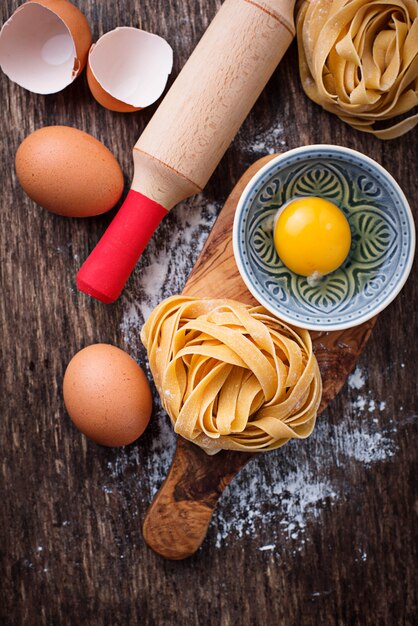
[
  {"x": 312, "y": 236},
  {"x": 107, "y": 395}
]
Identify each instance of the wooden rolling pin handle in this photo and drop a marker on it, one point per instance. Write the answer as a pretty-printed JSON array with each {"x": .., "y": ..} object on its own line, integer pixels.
[{"x": 177, "y": 521}]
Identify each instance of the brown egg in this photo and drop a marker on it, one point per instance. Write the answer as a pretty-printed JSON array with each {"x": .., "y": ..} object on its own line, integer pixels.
[
  {"x": 68, "y": 172},
  {"x": 107, "y": 395}
]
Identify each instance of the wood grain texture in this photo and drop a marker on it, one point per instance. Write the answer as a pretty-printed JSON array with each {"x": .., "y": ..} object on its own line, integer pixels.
[
  {"x": 177, "y": 521},
  {"x": 71, "y": 548}
]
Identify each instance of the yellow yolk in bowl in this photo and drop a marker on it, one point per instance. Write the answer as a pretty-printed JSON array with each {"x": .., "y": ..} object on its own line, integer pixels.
[{"x": 312, "y": 236}]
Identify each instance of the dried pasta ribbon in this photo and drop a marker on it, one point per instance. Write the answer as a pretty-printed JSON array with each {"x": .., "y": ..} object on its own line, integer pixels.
[
  {"x": 359, "y": 60},
  {"x": 232, "y": 376}
]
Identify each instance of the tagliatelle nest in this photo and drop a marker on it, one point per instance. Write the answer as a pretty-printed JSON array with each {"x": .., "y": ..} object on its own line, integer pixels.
[
  {"x": 232, "y": 376},
  {"x": 359, "y": 60}
]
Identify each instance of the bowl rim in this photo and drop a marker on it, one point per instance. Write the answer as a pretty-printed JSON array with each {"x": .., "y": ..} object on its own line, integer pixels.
[{"x": 271, "y": 165}]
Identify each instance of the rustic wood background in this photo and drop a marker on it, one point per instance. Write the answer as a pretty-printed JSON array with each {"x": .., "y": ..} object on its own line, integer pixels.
[{"x": 71, "y": 549}]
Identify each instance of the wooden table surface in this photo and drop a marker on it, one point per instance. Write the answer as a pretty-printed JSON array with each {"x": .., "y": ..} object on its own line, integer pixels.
[{"x": 321, "y": 532}]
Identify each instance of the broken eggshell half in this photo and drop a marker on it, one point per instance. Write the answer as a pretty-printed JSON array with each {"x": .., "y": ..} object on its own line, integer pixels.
[
  {"x": 128, "y": 69},
  {"x": 44, "y": 45}
]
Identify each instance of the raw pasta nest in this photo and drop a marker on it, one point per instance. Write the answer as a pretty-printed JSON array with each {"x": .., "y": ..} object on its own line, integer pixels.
[
  {"x": 359, "y": 60},
  {"x": 232, "y": 376}
]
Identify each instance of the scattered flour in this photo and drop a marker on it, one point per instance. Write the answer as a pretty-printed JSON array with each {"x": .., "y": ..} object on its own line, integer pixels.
[
  {"x": 363, "y": 402},
  {"x": 153, "y": 275},
  {"x": 162, "y": 452},
  {"x": 359, "y": 404},
  {"x": 131, "y": 324},
  {"x": 366, "y": 447},
  {"x": 372, "y": 406},
  {"x": 284, "y": 510},
  {"x": 265, "y": 142},
  {"x": 357, "y": 379},
  {"x": 300, "y": 492}
]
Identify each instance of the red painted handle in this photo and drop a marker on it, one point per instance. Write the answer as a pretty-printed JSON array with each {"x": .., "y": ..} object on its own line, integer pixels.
[{"x": 105, "y": 272}]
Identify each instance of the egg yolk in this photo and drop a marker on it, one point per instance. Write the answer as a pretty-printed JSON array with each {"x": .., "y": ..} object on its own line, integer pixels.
[{"x": 312, "y": 236}]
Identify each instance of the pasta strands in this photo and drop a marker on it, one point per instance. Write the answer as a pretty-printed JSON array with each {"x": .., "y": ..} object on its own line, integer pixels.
[
  {"x": 359, "y": 60},
  {"x": 232, "y": 376}
]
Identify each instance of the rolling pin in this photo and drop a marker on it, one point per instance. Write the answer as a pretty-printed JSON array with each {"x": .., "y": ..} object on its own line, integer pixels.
[{"x": 191, "y": 130}]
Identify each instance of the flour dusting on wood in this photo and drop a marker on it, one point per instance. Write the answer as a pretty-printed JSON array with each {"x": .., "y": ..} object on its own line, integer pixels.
[
  {"x": 283, "y": 512},
  {"x": 264, "y": 142},
  {"x": 302, "y": 491},
  {"x": 357, "y": 379}
]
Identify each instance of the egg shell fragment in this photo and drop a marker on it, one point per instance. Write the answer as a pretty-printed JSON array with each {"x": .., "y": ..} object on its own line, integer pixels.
[
  {"x": 68, "y": 172},
  {"x": 128, "y": 69},
  {"x": 44, "y": 45},
  {"x": 107, "y": 395}
]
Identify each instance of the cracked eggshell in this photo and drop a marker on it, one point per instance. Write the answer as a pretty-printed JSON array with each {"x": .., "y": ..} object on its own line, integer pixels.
[
  {"x": 44, "y": 45},
  {"x": 128, "y": 69}
]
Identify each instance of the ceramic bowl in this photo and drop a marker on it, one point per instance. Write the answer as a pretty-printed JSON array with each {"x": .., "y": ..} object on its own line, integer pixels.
[{"x": 382, "y": 230}]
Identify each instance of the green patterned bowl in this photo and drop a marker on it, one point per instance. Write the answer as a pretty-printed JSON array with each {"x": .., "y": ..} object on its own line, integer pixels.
[{"x": 382, "y": 230}]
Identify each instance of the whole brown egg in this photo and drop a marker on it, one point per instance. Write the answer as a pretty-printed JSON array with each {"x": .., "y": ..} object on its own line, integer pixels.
[
  {"x": 107, "y": 395},
  {"x": 68, "y": 172}
]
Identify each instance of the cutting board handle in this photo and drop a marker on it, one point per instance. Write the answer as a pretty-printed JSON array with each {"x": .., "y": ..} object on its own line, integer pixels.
[{"x": 177, "y": 521}]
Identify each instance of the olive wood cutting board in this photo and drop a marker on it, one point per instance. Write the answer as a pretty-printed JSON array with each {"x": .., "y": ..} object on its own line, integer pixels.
[{"x": 177, "y": 521}]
